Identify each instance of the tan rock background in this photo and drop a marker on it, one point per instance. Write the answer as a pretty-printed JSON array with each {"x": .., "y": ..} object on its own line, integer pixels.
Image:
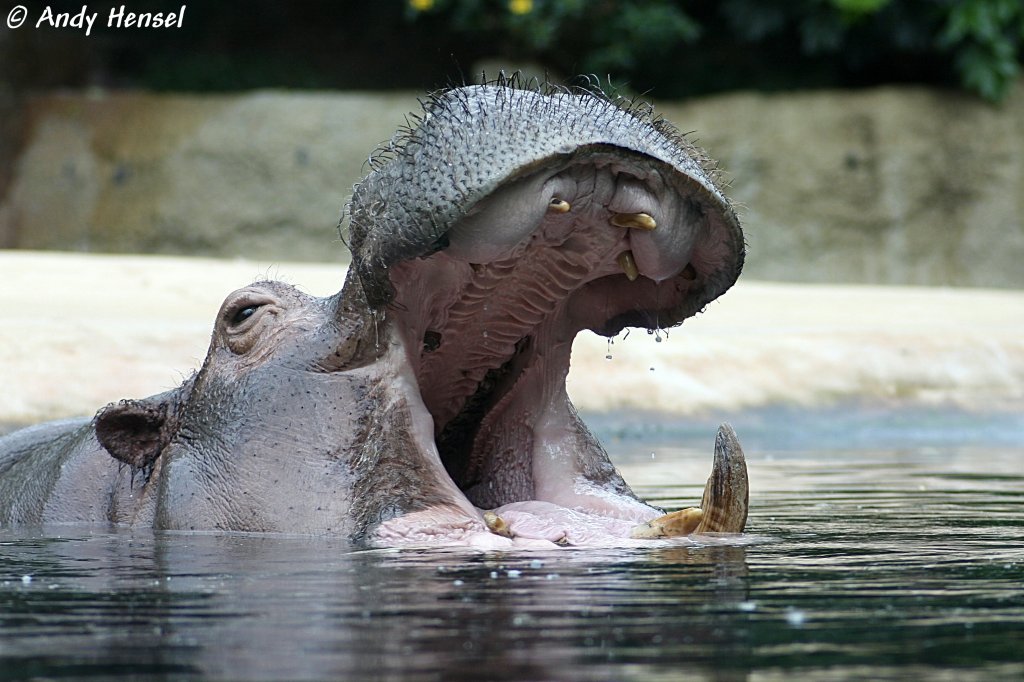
[{"x": 889, "y": 186}]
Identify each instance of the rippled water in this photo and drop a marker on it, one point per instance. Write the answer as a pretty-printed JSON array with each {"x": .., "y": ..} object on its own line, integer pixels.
[{"x": 863, "y": 562}]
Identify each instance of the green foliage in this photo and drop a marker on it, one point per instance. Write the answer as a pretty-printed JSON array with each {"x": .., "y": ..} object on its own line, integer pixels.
[
  {"x": 986, "y": 37},
  {"x": 687, "y": 46},
  {"x": 674, "y": 48}
]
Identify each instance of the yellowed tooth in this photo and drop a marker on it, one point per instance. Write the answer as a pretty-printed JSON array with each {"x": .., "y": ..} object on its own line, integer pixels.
[
  {"x": 628, "y": 265},
  {"x": 559, "y": 205},
  {"x": 726, "y": 494},
  {"x": 723, "y": 509},
  {"x": 640, "y": 221},
  {"x": 672, "y": 525},
  {"x": 497, "y": 525}
]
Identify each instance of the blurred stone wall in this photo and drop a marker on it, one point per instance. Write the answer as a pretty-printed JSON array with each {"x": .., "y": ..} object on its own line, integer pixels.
[{"x": 894, "y": 186}]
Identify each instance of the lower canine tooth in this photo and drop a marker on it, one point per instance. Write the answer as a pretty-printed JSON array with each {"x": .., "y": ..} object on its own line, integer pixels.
[
  {"x": 726, "y": 494},
  {"x": 640, "y": 221},
  {"x": 497, "y": 525},
  {"x": 672, "y": 525},
  {"x": 628, "y": 265}
]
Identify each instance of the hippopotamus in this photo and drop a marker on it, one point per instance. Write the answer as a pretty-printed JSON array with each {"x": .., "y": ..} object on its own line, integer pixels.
[{"x": 425, "y": 402}]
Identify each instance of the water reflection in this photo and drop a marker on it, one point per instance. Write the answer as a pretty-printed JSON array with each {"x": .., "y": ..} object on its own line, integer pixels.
[
  {"x": 261, "y": 607},
  {"x": 859, "y": 564}
]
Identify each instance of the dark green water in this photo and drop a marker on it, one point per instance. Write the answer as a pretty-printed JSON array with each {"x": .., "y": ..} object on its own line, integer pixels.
[{"x": 897, "y": 562}]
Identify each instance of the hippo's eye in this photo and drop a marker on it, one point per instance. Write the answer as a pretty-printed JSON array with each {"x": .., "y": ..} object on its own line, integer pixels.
[
  {"x": 243, "y": 314},
  {"x": 244, "y": 317}
]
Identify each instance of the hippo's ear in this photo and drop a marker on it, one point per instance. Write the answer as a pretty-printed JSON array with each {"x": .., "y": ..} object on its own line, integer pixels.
[{"x": 137, "y": 431}]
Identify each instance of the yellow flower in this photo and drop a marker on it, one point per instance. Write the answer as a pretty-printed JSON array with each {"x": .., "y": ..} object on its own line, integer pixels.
[
  {"x": 421, "y": 5},
  {"x": 520, "y": 6}
]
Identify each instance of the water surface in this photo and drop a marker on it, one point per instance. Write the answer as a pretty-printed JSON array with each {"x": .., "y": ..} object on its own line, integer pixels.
[{"x": 861, "y": 562}]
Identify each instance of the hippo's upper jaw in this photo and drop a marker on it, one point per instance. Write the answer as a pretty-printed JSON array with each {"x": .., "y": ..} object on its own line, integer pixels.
[{"x": 506, "y": 223}]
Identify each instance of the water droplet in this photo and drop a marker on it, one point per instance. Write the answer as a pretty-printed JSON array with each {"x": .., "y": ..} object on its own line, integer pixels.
[
  {"x": 26, "y": 579},
  {"x": 795, "y": 617},
  {"x": 514, "y": 573},
  {"x": 608, "y": 357},
  {"x": 536, "y": 563},
  {"x": 652, "y": 455}
]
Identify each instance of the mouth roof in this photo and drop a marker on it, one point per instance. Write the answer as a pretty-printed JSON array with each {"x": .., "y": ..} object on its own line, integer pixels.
[
  {"x": 470, "y": 142},
  {"x": 507, "y": 222}
]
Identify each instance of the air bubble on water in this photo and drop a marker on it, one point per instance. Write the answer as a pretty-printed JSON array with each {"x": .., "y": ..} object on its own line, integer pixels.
[
  {"x": 458, "y": 583},
  {"x": 536, "y": 563},
  {"x": 26, "y": 579},
  {"x": 747, "y": 606},
  {"x": 795, "y": 617},
  {"x": 514, "y": 573},
  {"x": 485, "y": 333},
  {"x": 494, "y": 574}
]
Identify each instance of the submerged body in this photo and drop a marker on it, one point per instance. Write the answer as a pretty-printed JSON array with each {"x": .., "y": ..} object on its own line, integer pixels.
[{"x": 432, "y": 387}]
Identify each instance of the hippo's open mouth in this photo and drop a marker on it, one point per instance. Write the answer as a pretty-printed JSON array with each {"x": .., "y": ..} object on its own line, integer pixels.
[
  {"x": 543, "y": 243},
  {"x": 488, "y": 323}
]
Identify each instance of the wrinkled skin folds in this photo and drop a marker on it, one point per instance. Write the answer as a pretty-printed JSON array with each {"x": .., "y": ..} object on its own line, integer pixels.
[{"x": 425, "y": 402}]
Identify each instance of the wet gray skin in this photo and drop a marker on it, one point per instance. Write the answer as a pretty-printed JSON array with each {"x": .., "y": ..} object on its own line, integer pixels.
[{"x": 432, "y": 387}]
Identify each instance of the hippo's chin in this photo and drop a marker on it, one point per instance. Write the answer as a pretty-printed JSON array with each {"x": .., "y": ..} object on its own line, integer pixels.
[{"x": 483, "y": 331}]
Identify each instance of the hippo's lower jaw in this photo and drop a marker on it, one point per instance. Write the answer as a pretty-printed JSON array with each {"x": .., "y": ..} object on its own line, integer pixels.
[
  {"x": 539, "y": 524},
  {"x": 480, "y": 334}
]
